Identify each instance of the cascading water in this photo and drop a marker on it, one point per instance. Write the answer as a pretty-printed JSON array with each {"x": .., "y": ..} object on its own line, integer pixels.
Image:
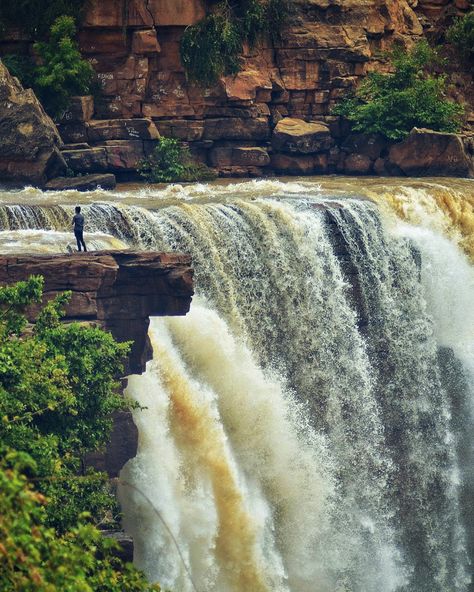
[{"x": 308, "y": 424}]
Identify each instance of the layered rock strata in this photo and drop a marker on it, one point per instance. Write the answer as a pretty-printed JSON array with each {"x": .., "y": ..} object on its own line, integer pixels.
[
  {"x": 326, "y": 48},
  {"x": 118, "y": 291}
]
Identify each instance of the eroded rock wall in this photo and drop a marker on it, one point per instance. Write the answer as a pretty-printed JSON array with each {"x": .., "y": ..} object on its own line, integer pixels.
[{"x": 327, "y": 46}]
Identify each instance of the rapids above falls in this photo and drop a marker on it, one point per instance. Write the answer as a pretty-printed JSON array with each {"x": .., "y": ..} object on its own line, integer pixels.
[{"x": 308, "y": 426}]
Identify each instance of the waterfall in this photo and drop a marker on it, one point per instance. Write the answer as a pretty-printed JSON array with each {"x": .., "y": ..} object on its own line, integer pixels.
[{"x": 308, "y": 426}]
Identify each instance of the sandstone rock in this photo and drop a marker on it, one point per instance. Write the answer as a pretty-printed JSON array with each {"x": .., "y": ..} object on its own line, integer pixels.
[
  {"x": 89, "y": 160},
  {"x": 80, "y": 109},
  {"x": 29, "y": 147},
  {"x": 428, "y": 153},
  {"x": 176, "y": 13},
  {"x": 119, "y": 289},
  {"x": 83, "y": 183},
  {"x": 250, "y": 156},
  {"x": 357, "y": 164},
  {"x": 122, "y": 129},
  {"x": 371, "y": 145},
  {"x": 73, "y": 133},
  {"x": 297, "y": 136},
  {"x": 145, "y": 42},
  {"x": 287, "y": 164},
  {"x": 236, "y": 129},
  {"x": 123, "y": 155},
  {"x": 182, "y": 129}
]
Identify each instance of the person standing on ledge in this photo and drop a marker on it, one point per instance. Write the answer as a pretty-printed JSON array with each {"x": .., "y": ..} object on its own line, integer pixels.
[{"x": 78, "y": 222}]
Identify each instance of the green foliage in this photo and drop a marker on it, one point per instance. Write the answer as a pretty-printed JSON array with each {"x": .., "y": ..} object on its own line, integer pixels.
[
  {"x": 62, "y": 72},
  {"x": 34, "y": 558},
  {"x": 212, "y": 47},
  {"x": 22, "y": 67},
  {"x": 461, "y": 35},
  {"x": 392, "y": 104},
  {"x": 58, "y": 390},
  {"x": 170, "y": 162},
  {"x": 35, "y": 17}
]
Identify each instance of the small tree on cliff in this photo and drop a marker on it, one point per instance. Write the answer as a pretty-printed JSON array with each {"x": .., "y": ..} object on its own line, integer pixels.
[
  {"x": 62, "y": 72},
  {"x": 393, "y": 104},
  {"x": 58, "y": 389}
]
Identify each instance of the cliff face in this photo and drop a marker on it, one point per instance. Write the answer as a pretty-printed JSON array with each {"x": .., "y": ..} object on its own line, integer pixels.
[
  {"x": 117, "y": 290},
  {"x": 326, "y": 47}
]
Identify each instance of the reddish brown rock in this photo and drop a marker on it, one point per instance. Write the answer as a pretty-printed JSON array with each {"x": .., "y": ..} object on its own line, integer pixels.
[
  {"x": 118, "y": 289},
  {"x": 176, "y": 12},
  {"x": 236, "y": 129},
  {"x": 297, "y": 136},
  {"x": 287, "y": 164},
  {"x": 429, "y": 153},
  {"x": 82, "y": 183},
  {"x": 250, "y": 156},
  {"x": 145, "y": 42},
  {"x": 30, "y": 142},
  {"x": 357, "y": 164},
  {"x": 89, "y": 160},
  {"x": 122, "y": 129},
  {"x": 80, "y": 109}
]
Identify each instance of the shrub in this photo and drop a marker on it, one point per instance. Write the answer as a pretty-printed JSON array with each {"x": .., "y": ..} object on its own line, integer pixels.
[
  {"x": 212, "y": 47},
  {"x": 461, "y": 35},
  {"x": 62, "y": 72},
  {"x": 34, "y": 557},
  {"x": 36, "y": 16},
  {"x": 392, "y": 104},
  {"x": 170, "y": 162},
  {"x": 57, "y": 392},
  {"x": 22, "y": 67}
]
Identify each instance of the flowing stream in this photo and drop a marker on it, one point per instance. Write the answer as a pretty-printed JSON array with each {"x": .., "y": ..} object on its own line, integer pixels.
[{"x": 308, "y": 425}]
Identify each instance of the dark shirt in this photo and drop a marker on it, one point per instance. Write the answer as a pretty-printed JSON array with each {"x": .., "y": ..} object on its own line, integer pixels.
[{"x": 78, "y": 223}]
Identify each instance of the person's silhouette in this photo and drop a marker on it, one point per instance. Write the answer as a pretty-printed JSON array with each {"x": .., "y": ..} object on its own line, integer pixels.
[{"x": 78, "y": 222}]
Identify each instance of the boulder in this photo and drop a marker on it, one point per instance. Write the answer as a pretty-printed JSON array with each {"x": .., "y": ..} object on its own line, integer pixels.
[
  {"x": 357, "y": 164},
  {"x": 371, "y": 145},
  {"x": 145, "y": 42},
  {"x": 428, "y": 153},
  {"x": 88, "y": 160},
  {"x": 83, "y": 183},
  {"x": 30, "y": 142},
  {"x": 299, "y": 137},
  {"x": 289, "y": 164},
  {"x": 250, "y": 156}
]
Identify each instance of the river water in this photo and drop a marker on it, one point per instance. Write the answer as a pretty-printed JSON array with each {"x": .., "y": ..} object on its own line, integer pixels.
[{"x": 308, "y": 426}]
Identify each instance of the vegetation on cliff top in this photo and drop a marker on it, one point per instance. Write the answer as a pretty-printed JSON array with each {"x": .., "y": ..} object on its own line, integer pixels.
[
  {"x": 58, "y": 390},
  {"x": 213, "y": 47},
  {"x": 411, "y": 96}
]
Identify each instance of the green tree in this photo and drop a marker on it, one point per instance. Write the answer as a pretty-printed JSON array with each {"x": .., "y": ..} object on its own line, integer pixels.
[
  {"x": 58, "y": 389},
  {"x": 35, "y": 17},
  {"x": 62, "y": 72},
  {"x": 213, "y": 47},
  {"x": 461, "y": 35},
  {"x": 34, "y": 558},
  {"x": 170, "y": 162},
  {"x": 392, "y": 104}
]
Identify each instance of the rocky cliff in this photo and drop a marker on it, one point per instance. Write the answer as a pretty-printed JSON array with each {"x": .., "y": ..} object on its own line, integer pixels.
[
  {"x": 325, "y": 49},
  {"x": 119, "y": 291}
]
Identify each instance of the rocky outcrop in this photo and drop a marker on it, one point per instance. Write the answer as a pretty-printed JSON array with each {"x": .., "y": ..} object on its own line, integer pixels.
[
  {"x": 429, "y": 153},
  {"x": 117, "y": 290},
  {"x": 278, "y": 109},
  {"x": 83, "y": 183},
  {"x": 29, "y": 146}
]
